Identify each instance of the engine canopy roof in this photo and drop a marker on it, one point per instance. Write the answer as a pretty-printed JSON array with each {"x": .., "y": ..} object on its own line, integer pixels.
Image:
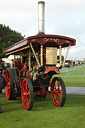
[{"x": 37, "y": 40}]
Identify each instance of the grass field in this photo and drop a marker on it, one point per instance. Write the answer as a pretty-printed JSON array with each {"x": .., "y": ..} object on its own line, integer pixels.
[
  {"x": 74, "y": 78},
  {"x": 44, "y": 114}
]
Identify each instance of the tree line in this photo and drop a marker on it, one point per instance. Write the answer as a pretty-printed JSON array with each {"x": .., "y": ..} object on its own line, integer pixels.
[{"x": 8, "y": 37}]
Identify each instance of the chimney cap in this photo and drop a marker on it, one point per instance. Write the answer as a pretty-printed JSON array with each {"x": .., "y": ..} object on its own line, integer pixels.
[{"x": 41, "y": 2}]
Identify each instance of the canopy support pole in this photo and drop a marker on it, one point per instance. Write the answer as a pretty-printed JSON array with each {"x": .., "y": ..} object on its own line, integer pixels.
[
  {"x": 41, "y": 55},
  {"x": 35, "y": 55},
  {"x": 66, "y": 55},
  {"x": 29, "y": 60},
  {"x": 60, "y": 52}
]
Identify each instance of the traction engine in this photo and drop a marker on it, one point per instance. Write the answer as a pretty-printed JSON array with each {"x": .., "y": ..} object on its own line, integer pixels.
[{"x": 36, "y": 63}]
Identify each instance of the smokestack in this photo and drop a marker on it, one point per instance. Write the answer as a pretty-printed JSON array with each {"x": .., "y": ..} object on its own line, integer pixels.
[{"x": 41, "y": 17}]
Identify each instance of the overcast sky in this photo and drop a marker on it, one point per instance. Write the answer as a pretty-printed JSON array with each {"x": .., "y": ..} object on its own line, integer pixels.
[{"x": 62, "y": 17}]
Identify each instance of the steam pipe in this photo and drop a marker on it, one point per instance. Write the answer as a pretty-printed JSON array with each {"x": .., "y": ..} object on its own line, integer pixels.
[{"x": 41, "y": 17}]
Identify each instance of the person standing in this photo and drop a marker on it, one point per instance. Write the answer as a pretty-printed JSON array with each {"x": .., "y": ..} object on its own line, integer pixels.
[{"x": 0, "y": 109}]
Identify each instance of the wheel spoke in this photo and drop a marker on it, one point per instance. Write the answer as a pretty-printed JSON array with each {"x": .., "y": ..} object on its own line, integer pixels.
[
  {"x": 8, "y": 87},
  {"x": 26, "y": 86},
  {"x": 54, "y": 87},
  {"x": 26, "y": 94},
  {"x": 57, "y": 98}
]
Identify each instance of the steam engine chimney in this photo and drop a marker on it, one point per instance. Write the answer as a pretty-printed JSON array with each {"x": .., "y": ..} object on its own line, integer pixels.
[{"x": 41, "y": 17}]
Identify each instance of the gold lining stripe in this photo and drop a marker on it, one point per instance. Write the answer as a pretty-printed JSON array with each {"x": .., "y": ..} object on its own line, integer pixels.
[{"x": 17, "y": 50}]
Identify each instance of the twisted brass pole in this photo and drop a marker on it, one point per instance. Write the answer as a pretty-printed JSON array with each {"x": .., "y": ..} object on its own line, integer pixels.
[
  {"x": 35, "y": 55},
  {"x": 60, "y": 52},
  {"x": 29, "y": 60},
  {"x": 41, "y": 55},
  {"x": 66, "y": 55}
]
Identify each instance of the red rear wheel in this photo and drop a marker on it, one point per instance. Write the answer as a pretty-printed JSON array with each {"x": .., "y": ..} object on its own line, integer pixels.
[
  {"x": 27, "y": 94},
  {"x": 58, "y": 91},
  {"x": 11, "y": 84},
  {"x": 7, "y": 88}
]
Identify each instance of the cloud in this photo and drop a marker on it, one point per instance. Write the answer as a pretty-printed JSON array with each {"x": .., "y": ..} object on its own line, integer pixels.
[
  {"x": 62, "y": 17},
  {"x": 77, "y": 53}
]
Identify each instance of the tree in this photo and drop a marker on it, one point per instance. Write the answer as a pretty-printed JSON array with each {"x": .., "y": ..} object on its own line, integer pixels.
[{"x": 8, "y": 37}]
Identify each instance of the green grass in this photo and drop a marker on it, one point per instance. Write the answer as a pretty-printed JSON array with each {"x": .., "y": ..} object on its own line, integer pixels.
[
  {"x": 75, "y": 73},
  {"x": 44, "y": 114},
  {"x": 74, "y": 78}
]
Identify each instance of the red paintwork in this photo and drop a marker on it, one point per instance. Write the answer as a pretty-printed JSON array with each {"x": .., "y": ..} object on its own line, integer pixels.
[
  {"x": 7, "y": 88},
  {"x": 53, "y": 69},
  {"x": 17, "y": 64},
  {"x": 46, "y": 40}
]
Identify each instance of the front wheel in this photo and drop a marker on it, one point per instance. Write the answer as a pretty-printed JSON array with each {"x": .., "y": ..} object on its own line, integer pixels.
[
  {"x": 58, "y": 91},
  {"x": 27, "y": 94}
]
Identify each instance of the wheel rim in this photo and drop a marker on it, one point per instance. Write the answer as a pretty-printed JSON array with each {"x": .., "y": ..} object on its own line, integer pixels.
[
  {"x": 56, "y": 92},
  {"x": 25, "y": 94},
  {"x": 7, "y": 88}
]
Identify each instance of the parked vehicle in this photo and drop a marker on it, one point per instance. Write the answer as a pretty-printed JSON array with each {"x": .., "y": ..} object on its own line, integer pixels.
[{"x": 68, "y": 63}]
